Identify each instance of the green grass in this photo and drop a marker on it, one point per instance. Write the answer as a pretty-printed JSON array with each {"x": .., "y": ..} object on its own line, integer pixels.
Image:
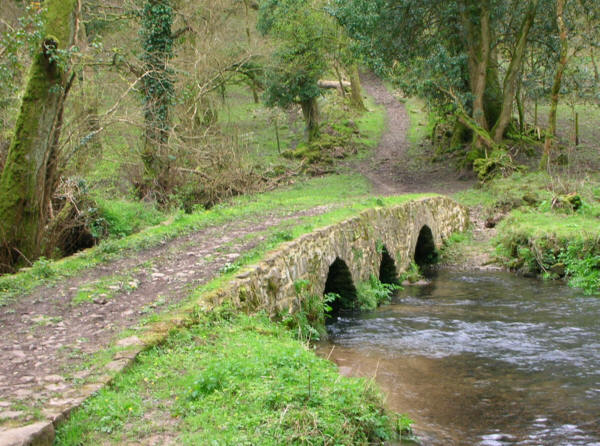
[
  {"x": 540, "y": 234},
  {"x": 120, "y": 218},
  {"x": 421, "y": 120},
  {"x": 523, "y": 189},
  {"x": 371, "y": 124},
  {"x": 231, "y": 380}
]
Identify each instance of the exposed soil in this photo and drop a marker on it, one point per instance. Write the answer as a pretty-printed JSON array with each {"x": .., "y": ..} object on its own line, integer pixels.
[{"x": 397, "y": 166}]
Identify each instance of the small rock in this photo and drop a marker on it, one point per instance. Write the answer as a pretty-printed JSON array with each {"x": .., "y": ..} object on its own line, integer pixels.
[
  {"x": 38, "y": 433},
  {"x": 100, "y": 301},
  {"x": 10, "y": 414},
  {"x": 56, "y": 387},
  {"x": 53, "y": 379},
  {"x": 130, "y": 341},
  {"x": 82, "y": 374},
  {"x": 559, "y": 269},
  {"x": 23, "y": 393},
  {"x": 117, "y": 365},
  {"x": 530, "y": 199}
]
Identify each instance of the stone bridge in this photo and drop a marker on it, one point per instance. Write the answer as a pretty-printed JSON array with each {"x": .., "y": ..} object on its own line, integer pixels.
[{"x": 379, "y": 241}]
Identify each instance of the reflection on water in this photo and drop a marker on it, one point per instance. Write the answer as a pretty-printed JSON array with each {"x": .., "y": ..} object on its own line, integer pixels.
[{"x": 482, "y": 358}]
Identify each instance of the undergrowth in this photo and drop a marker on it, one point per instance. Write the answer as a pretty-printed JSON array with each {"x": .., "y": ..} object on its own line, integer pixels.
[
  {"x": 373, "y": 293},
  {"x": 548, "y": 225}
]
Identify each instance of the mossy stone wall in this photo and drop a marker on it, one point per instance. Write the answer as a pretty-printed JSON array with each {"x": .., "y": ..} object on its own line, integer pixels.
[{"x": 357, "y": 241}]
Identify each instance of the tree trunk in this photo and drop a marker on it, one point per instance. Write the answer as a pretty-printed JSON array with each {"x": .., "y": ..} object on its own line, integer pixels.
[
  {"x": 340, "y": 81},
  {"x": 29, "y": 176},
  {"x": 493, "y": 91},
  {"x": 158, "y": 90},
  {"x": 514, "y": 68},
  {"x": 554, "y": 95},
  {"x": 520, "y": 108},
  {"x": 310, "y": 110},
  {"x": 480, "y": 67},
  {"x": 356, "y": 89}
]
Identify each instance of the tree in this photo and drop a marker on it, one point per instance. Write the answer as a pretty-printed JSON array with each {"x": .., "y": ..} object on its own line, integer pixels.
[
  {"x": 30, "y": 174},
  {"x": 158, "y": 89},
  {"x": 556, "y": 85},
  {"x": 449, "y": 52},
  {"x": 302, "y": 31}
]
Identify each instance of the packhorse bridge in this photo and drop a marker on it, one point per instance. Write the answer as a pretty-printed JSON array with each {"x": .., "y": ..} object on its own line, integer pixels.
[{"x": 379, "y": 241}]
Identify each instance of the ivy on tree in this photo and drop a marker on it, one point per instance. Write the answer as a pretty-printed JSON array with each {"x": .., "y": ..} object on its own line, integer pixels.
[{"x": 158, "y": 89}]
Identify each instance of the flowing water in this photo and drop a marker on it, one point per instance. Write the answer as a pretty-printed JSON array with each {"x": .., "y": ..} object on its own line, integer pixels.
[{"x": 482, "y": 359}]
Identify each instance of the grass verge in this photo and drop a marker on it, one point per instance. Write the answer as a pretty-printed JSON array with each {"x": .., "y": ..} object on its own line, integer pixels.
[{"x": 232, "y": 379}]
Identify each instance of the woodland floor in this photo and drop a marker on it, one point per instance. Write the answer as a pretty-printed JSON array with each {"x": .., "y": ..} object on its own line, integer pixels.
[{"x": 48, "y": 338}]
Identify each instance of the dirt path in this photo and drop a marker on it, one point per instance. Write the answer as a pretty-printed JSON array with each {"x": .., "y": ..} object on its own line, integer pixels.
[
  {"x": 48, "y": 338},
  {"x": 398, "y": 166}
]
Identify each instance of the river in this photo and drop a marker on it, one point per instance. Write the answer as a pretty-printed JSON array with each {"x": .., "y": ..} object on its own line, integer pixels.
[{"x": 482, "y": 359}]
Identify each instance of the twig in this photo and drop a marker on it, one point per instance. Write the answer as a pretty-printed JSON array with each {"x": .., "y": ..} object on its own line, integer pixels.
[
  {"x": 23, "y": 255},
  {"x": 332, "y": 349},
  {"x": 376, "y": 369}
]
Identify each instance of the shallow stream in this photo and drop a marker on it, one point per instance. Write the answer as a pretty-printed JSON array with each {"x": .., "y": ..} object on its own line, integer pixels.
[{"x": 482, "y": 359}]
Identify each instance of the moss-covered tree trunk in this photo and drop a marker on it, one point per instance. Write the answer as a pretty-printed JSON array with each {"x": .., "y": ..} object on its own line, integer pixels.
[
  {"x": 512, "y": 73},
  {"x": 556, "y": 85},
  {"x": 310, "y": 110},
  {"x": 29, "y": 176},
  {"x": 158, "y": 90},
  {"x": 356, "y": 89}
]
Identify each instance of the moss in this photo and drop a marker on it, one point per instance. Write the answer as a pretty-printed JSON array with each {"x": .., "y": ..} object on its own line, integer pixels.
[
  {"x": 23, "y": 185},
  {"x": 59, "y": 20}
]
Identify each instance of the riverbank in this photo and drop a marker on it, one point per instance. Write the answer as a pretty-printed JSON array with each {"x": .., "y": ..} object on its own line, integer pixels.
[{"x": 534, "y": 224}]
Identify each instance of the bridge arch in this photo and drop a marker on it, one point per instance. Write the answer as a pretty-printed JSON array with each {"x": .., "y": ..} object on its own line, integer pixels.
[
  {"x": 425, "y": 251},
  {"x": 388, "y": 272},
  {"x": 339, "y": 281}
]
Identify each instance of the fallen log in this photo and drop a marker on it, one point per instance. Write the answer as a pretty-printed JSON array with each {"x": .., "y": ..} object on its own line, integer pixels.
[{"x": 333, "y": 84}]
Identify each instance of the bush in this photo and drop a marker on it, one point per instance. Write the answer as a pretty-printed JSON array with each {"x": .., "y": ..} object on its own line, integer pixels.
[
  {"x": 373, "y": 293},
  {"x": 120, "y": 218}
]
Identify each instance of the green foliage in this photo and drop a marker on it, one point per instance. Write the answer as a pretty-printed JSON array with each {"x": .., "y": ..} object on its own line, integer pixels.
[
  {"x": 372, "y": 293},
  {"x": 412, "y": 274},
  {"x": 158, "y": 84},
  {"x": 232, "y": 380},
  {"x": 43, "y": 269},
  {"x": 497, "y": 163},
  {"x": 552, "y": 245},
  {"x": 308, "y": 321},
  {"x": 23, "y": 38},
  {"x": 303, "y": 32},
  {"x": 120, "y": 218}
]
